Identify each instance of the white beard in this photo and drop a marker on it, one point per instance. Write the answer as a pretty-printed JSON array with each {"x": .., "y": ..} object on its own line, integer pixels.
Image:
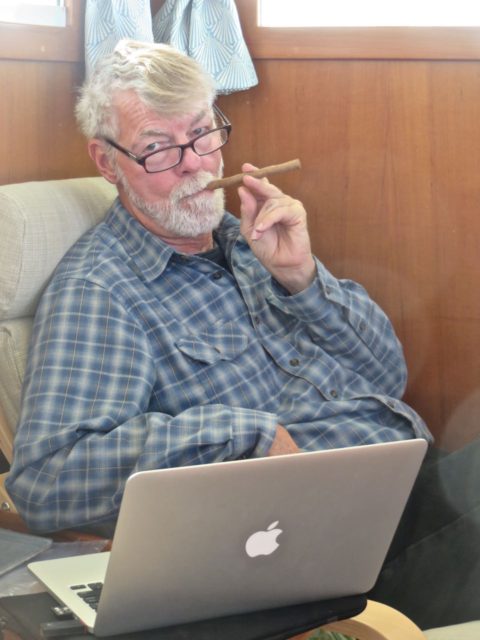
[{"x": 181, "y": 216}]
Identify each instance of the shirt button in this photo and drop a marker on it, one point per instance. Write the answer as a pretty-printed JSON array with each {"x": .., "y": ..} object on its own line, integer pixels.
[
  {"x": 334, "y": 393},
  {"x": 217, "y": 275},
  {"x": 294, "y": 362},
  {"x": 362, "y": 326},
  {"x": 391, "y": 404}
]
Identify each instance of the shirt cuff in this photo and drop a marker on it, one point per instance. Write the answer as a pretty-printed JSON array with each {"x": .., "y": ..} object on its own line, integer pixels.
[
  {"x": 305, "y": 304},
  {"x": 253, "y": 432}
]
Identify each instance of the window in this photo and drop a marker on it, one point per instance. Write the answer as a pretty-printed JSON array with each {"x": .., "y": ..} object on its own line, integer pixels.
[
  {"x": 34, "y": 12},
  {"x": 368, "y": 13},
  {"x": 43, "y": 41},
  {"x": 460, "y": 41}
]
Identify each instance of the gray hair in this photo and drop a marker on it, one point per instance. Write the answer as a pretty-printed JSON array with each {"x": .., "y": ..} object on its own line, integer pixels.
[{"x": 164, "y": 79}]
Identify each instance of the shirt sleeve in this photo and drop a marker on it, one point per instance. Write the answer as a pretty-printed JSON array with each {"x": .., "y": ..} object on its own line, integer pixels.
[
  {"x": 350, "y": 327},
  {"x": 86, "y": 425}
]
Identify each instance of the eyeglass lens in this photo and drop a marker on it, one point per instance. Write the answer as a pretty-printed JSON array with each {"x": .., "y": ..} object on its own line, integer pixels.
[{"x": 203, "y": 145}]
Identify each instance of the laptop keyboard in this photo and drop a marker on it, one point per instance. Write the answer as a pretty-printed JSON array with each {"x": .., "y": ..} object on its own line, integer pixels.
[{"x": 90, "y": 593}]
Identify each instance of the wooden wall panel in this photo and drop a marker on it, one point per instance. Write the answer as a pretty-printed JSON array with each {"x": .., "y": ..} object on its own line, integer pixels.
[
  {"x": 391, "y": 176},
  {"x": 39, "y": 139}
]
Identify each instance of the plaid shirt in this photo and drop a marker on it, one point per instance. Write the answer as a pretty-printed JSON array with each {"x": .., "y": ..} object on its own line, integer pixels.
[{"x": 145, "y": 358}]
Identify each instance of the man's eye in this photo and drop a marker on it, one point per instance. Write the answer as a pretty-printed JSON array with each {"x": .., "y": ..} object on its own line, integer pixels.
[
  {"x": 200, "y": 131},
  {"x": 153, "y": 146}
]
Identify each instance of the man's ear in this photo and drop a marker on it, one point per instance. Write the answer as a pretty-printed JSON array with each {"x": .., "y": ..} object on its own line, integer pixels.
[{"x": 96, "y": 150}]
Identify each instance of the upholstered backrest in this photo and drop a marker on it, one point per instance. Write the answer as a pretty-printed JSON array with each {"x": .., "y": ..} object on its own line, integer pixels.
[{"x": 39, "y": 222}]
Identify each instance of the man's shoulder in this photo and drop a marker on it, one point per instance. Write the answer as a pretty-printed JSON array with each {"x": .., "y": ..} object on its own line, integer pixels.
[{"x": 93, "y": 257}]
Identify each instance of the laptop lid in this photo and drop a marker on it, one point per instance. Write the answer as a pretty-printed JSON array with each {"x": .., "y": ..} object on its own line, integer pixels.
[{"x": 206, "y": 541}]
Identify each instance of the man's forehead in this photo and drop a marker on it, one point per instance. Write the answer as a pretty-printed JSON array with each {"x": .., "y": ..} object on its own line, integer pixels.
[
  {"x": 162, "y": 123},
  {"x": 132, "y": 111}
]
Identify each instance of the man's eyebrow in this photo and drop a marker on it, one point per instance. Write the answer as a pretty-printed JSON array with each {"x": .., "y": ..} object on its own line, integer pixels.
[
  {"x": 199, "y": 117},
  {"x": 148, "y": 133}
]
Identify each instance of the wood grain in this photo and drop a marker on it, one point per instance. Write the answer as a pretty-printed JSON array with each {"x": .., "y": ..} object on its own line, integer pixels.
[{"x": 39, "y": 138}]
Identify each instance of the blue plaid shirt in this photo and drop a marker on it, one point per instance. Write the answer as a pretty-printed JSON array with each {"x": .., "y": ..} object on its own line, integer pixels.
[{"x": 144, "y": 358}]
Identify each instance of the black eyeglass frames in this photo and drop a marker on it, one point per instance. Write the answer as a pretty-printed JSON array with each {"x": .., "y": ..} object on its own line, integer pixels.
[{"x": 170, "y": 157}]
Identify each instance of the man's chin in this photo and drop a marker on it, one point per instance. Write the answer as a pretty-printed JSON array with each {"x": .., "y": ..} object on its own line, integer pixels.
[
  {"x": 186, "y": 215},
  {"x": 186, "y": 220},
  {"x": 192, "y": 227}
]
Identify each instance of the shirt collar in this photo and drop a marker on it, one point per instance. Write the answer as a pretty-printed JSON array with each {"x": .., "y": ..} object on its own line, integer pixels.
[{"x": 150, "y": 254}]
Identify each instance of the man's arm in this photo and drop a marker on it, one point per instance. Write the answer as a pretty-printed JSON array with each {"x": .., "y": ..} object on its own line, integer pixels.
[
  {"x": 86, "y": 424},
  {"x": 340, "y": 315}
]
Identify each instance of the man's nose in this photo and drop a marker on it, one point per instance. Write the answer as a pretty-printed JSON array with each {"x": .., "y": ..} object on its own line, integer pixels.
[{"x": 191, "y": 161}]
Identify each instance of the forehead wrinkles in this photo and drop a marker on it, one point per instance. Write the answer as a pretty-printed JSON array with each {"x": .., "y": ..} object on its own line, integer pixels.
[
  {"x": 135, "y": 119},
  {"x": 132, "y": 115}
]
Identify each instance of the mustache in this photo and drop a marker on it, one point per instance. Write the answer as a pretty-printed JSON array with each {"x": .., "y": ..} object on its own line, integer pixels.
[{"x": 193, "y": 185}]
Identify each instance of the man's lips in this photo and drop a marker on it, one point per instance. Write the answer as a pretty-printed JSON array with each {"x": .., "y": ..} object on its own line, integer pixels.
[
  {"x": 194, "y": 187},
  {"x": 203, "y": 191}
]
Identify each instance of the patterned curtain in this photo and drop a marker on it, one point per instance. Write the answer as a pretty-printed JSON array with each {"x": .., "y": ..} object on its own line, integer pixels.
[
  {"x": 108, "y": 21},
  {"x": 207, "y": 30}
]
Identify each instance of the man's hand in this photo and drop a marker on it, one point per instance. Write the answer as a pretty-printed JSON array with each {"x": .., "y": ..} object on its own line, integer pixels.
[
  {"x": 275, "y": 227},
  {"x": 283, "y": 443}
]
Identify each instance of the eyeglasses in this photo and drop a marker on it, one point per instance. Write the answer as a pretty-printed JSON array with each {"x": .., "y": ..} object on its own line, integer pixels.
[{"x": 169, "y": 157}]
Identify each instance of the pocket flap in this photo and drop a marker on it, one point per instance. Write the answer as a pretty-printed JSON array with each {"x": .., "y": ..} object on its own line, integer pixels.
[{"x": 220, "y": 342}]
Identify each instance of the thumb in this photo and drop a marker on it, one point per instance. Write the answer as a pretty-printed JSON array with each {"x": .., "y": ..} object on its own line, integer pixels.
[{"x": 248, "y": 210}]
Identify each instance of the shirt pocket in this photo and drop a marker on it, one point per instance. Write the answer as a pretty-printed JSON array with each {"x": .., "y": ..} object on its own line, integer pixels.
[{"x": 221, "y": 341}]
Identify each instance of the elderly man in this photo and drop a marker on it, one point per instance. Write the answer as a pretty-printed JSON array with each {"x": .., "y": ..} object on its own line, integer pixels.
[{"x": 172, "y": 333}]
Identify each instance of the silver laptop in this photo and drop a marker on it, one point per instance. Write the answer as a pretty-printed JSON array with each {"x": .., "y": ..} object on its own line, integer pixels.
[{"x": 207, "y": 541}]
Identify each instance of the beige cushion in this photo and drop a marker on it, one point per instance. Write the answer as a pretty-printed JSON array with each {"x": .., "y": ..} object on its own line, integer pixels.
[
  {"x": 39, "y": 221},
  {"x": 14, "y": 339},
  {"x": 466, "y": 631}
]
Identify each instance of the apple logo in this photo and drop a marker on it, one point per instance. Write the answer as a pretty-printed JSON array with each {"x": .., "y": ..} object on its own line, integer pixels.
[{"x": 263, "y": 543}]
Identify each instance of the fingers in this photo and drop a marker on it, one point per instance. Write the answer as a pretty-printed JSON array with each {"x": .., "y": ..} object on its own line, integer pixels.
[
  {"x": 249, "y": 204},
  {"x": 261, "y": 203},
  {"x": 260, "y": 187},
  {"x": 270, "y": 206},
  {"x": 275, "y": 211}
]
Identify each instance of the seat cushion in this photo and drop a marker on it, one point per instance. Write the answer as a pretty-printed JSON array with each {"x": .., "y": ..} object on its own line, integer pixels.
[
  {"x": 39, "y": 222},
  {"x": 14, "y": 339}
]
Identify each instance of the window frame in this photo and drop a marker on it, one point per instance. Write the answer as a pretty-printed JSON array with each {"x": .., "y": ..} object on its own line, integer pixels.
[
  {"x": 39, "y": 42},
  {"x": 396, "y": 43}
]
